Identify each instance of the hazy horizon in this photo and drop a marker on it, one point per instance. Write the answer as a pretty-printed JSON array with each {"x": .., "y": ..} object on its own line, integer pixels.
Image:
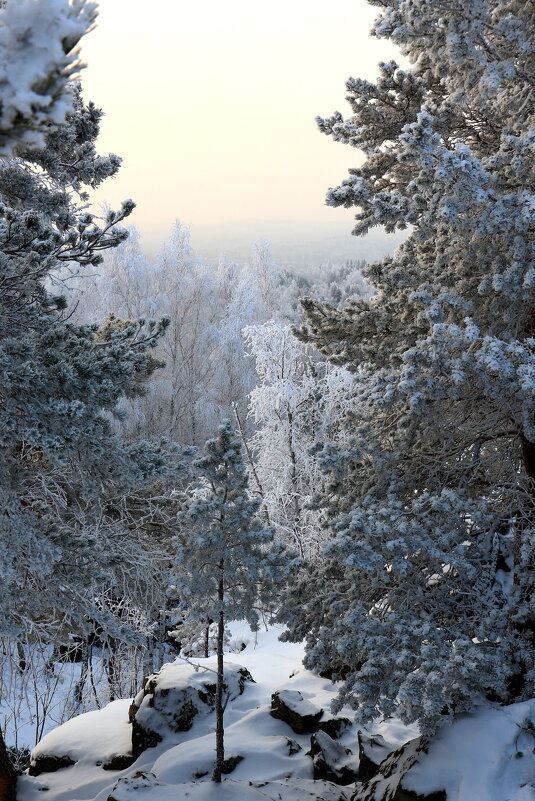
[
  {"x": 212, "y": 107},
  {"x": 300, "y": 246}
]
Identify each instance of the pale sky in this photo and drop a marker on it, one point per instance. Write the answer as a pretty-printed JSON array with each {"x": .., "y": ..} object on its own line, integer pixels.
[{"x": 211, "y": 105}]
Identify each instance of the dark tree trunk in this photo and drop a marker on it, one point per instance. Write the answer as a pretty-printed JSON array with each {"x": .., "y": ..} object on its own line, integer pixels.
[
  {"x": 8, "y": 777},
  {"x": 516, "y": 681},
  {"x": 528, "y": 457},
  {"x": 219, "y": 709},
  {"x": 209, "y": 622}
]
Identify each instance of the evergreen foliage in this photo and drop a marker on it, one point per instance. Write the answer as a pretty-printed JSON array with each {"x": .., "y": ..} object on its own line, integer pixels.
[
  {"x": 428, "y": 580},
  {"x": 61, "y": 382},
  {"x": 38, "y": 57}
]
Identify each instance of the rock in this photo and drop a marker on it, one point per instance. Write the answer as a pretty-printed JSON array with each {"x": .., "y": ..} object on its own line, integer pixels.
[
  {"x": 330, "y": 760},
  {"x": 119, "y": 762},
  {"x": 290, "y": 706},
  {"x": 335, "y": 672},
  {"x": 48, "y": 763},
  {"x": 334, "y": 727},
  {"x": 372, "y": 751},
  {"x": 230, "y": 763},
  {"x": 387, "y": 784},
  {"x": 170, "y": 700},
  {"x": 293, "y": 746},
  {"x": 402, "y": 794}
]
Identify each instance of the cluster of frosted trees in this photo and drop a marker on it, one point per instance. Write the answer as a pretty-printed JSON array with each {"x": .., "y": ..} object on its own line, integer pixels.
[
  {"x": 211, "y": 363},
  {"x": 229, "y": 352},
  {"x": 385, "y": 449},
  {"x": 113, "y": 367}
]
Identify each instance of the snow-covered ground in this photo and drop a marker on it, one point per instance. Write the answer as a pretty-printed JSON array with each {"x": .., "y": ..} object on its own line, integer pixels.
[{"x": 486, "y": 757}]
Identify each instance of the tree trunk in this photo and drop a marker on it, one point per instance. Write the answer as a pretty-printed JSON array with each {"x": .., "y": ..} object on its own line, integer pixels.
[
  {"x": 8, "y": 777},
  {"x": 528, "y": 457},
  {"x": 84, "y": 672},
  {"x": 219, "y": 744},
  {"x": 209, "y": 622},
  {"x": 516, "y": 681}
]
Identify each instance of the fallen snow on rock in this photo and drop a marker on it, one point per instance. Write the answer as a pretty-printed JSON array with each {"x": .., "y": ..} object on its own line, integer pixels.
[{"x": 91, "y": 737}]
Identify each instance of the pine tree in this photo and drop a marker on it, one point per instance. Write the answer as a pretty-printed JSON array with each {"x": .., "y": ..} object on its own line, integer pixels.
[
  {"x": 60, "y": 382},
  {"x": 428, "y": 581},
  {"x": 227, "y": 566}
]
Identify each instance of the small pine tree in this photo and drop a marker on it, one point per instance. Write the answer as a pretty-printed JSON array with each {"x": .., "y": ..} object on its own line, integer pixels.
[{"x": 227, "y": 565}]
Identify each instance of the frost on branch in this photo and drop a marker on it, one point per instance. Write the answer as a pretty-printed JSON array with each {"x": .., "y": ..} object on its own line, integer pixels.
[
  {"x": 38, "y": 56},
  {"x": 428, "y": 578}
]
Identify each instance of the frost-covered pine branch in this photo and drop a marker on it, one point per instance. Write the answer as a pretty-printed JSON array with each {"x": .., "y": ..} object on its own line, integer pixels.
[{"x": 38, "y": 58}]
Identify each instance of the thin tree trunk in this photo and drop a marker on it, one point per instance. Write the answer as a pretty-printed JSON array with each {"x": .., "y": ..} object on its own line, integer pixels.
[
  {"x": 209, "y": 622},
  {"x": 84, "y": 672},
  {"x": 112, "y": 670},
  {"x": 8, "y": 777},
  {"x": 219, "y": 734},
  {"x": 293, "y": 479},
  {"x": 516, "y": 681}
]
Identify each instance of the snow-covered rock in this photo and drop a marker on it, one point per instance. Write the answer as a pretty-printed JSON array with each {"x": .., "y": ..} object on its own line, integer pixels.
[
  {"x": 373, "y": 749},
  {"x": 332, "y": 761},
  {"x": 94, "y": 738},
  {"x": 290, "y": 706},
  {"x": 171, "y": 699},
  {"x": 486, "y": 756}
]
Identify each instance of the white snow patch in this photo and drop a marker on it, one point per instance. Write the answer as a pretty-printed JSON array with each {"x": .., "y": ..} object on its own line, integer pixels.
[
  {"x": 487, "y": 755},
  {"x": 91, "y": 737}
]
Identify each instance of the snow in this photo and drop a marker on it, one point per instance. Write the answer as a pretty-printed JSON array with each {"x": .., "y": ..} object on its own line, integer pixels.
[
  {"x": 250, "y": 732},
  {"x": 232, "y": 790},
  {"x": 488, "y": 755},
  {"x": 475, "y": 759},
  {"x": 92, "y": 736}
]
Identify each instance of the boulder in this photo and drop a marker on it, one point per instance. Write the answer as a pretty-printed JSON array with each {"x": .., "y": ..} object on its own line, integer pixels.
[
  {"x": 293, "y": 746},
  {"x": 290, "y": 706},
  {"x": 230, "y": 763},
  {"x": 119, "y": 762},
  {"x": 330, "y": 760},
  {"x": 49, "y": 763},
  {"x": 387, "y": 784},
  {"x": 171, "y": 699},
  {"x": 334, "y": 727},
  {"x": 372, "y": 751}
]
